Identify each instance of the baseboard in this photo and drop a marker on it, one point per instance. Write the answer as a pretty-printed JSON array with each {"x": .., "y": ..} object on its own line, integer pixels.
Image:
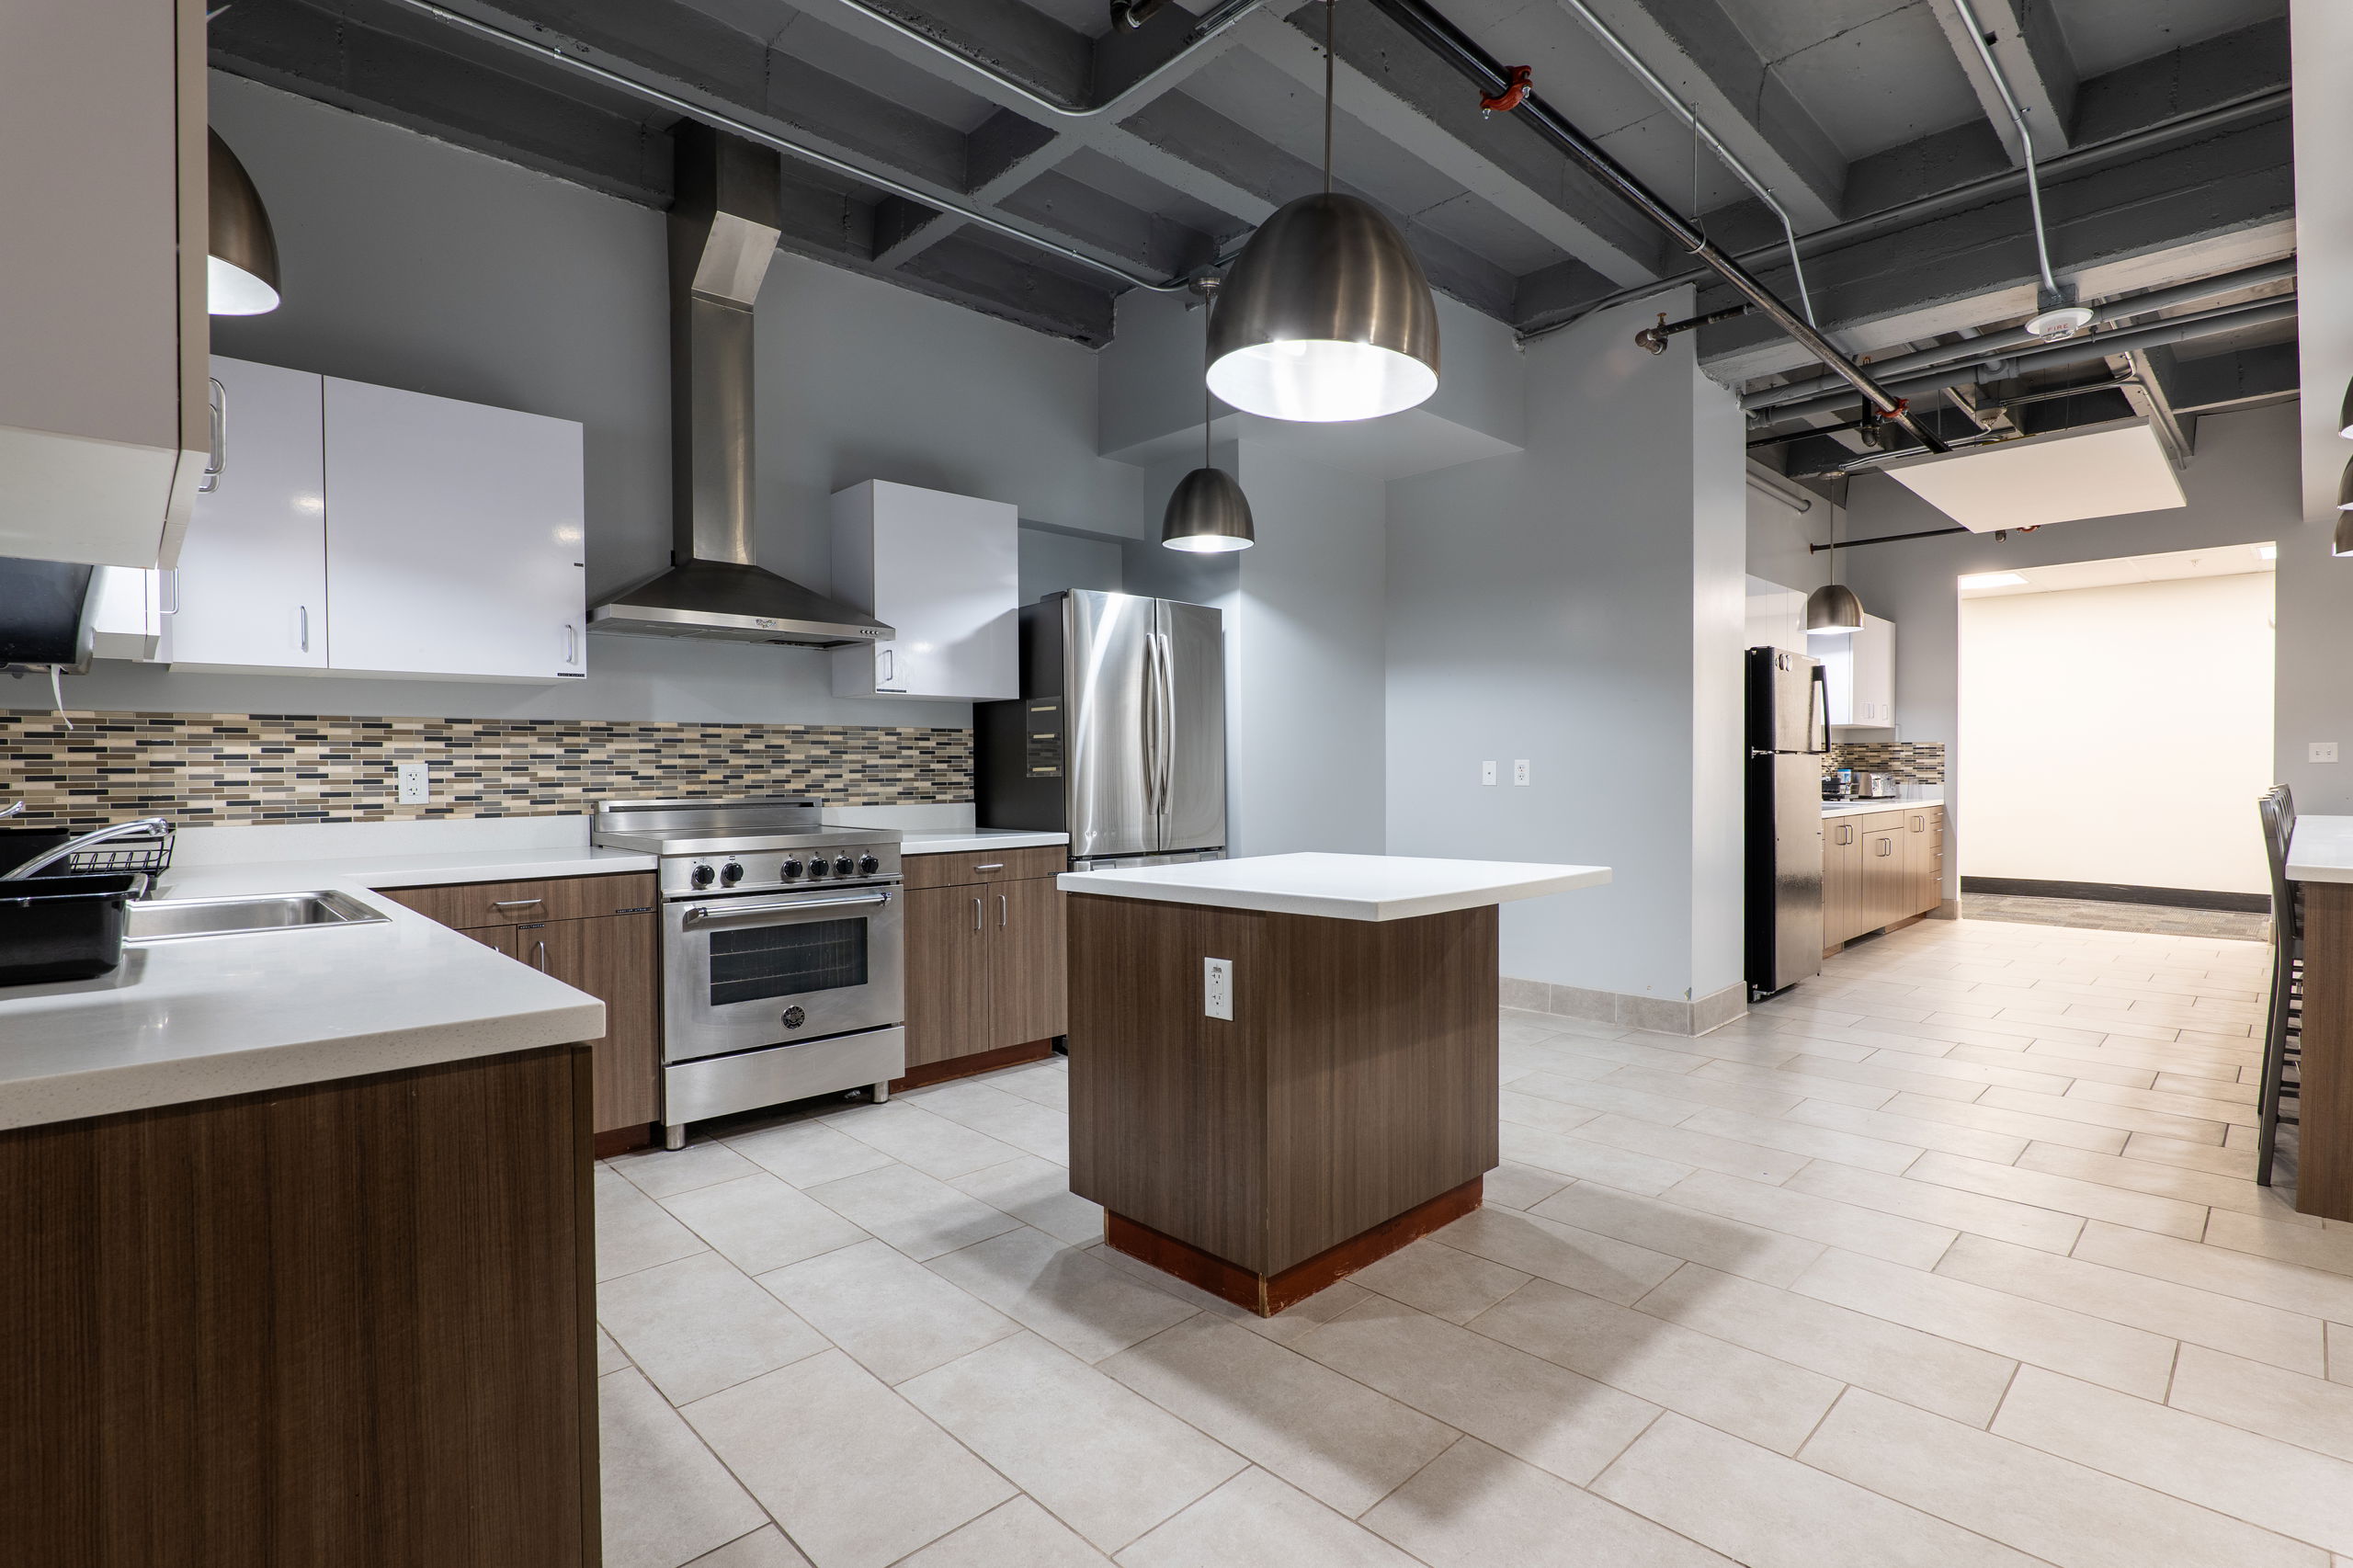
[
  {"x": 1660, "y": 1015},
  {"x": 930, "y": 1073},
  {"x": 2121, "y": 892}
]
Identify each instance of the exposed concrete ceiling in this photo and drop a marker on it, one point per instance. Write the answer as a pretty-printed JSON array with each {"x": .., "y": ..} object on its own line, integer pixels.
[{"x": 1867, "y": 118}]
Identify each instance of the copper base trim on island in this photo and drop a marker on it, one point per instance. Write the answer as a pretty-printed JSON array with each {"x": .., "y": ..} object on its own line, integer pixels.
[
  {"x": 925, "y": 1075},
  {"x": 1266, "y": 1294}
]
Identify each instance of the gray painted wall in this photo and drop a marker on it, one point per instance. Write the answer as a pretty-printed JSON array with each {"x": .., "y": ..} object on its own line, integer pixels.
[
  {"x": 415, "y": 264},
  {"x": 1549, "y": 605},
  {"x": 2243, "y": 489},
  {"x": 1306, "y": 721}
]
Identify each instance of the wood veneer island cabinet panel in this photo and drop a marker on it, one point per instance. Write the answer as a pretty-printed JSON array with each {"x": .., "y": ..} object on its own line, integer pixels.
[
  {"x": 1355, "y": 1087},
  {"x": 346, "y": 1324},
  {"x": 2324, "y": 1104}
]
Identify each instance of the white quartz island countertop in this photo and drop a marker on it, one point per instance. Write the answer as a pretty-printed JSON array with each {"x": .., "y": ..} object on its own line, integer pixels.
[
  {"x": 1338, "y": 887},
  {"x": 199, "y": 1018},
  {"x": 2320, "y": 850}
]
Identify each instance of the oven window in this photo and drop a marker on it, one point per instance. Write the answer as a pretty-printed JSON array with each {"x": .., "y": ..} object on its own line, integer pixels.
[{"x": 768, "y": 962}]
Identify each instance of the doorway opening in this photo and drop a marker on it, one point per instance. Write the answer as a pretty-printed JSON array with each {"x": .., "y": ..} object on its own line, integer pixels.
[{"x": 2115, "y": 731}]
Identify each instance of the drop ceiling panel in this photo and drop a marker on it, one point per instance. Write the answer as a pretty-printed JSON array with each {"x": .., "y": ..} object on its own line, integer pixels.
[{"x": 2102, "y": 471}]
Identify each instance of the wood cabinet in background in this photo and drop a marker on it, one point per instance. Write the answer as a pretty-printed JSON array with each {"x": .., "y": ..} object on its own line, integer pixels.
[
  {"x": 986, "y": 961},
  {"x": 601, "y": 935},
  {"x": 1879, "y": 868}
]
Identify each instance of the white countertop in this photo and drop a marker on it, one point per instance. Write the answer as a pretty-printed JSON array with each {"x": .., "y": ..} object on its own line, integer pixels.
[
  {"x": 2320, "y": 850},
  {"x": 1896, "y": 803},
  {"x": 1338, "y": 887},
  {"x": 978, "y": 841},
  {"x": 208, "y": 1017}
]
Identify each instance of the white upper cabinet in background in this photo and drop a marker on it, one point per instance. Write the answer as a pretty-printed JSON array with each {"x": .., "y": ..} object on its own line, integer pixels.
[
  {"x": 104, "y": 334},
  {"x": 454, "y": 538},
  {"x": 943, "y": 571},
  {"x": 252, "y": 575},
  {"x": 1859, "y": 670}
]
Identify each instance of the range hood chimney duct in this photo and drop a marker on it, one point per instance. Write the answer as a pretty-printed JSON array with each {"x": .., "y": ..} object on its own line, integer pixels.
[{"x": 723, "y": 230}]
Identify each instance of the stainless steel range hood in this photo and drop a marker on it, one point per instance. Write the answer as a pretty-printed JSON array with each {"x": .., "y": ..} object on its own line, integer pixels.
[{"x": 723, "y": 230}]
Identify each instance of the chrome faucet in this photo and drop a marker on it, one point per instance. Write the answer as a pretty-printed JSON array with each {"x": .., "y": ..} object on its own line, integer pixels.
[{"x": 141, "y": 827}]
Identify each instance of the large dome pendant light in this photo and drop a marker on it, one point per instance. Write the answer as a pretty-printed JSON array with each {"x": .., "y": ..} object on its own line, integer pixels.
[
  {"x": 1832, "y": 610},
  {"x": 1326, "y": 315},
  {"x": 2342, "y": 542},
  {"x": 1207, "y": 511},
  {"x": 241, "y": 252}
]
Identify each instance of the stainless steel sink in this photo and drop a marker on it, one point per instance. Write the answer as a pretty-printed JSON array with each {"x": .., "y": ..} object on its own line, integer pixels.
[{"x": 174, "y": 919}]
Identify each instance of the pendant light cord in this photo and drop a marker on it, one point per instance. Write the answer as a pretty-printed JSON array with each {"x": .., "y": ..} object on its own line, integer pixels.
[
  {"x": 1331, "y": 10},
  {"x": 1207, "y": 305}
]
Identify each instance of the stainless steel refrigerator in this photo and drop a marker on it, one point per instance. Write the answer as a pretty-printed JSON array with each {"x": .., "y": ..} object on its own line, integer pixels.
[
  {"x": 1789, "y": 734},
  {"x": 1118, "y": 736}
]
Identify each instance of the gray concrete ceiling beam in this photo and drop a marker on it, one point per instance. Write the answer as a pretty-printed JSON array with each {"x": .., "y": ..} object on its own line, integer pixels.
[
  {"x": 1695, "y": 47},
  {"x": 2025, "y": 40}
]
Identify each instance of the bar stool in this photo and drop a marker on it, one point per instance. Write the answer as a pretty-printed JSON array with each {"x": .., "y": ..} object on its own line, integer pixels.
[{"x": 2283, "y": 1018}]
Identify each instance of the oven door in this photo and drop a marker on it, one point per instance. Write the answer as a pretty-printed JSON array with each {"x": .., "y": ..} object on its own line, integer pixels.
[{"x": 775, "y": 969}]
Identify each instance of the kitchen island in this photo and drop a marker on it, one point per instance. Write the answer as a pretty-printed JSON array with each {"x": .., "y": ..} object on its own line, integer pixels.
[
  {"x": 1284, "y": 1067},
  {"x": 2320, "y": 862},
  {"x": 299, "y": 1227}
]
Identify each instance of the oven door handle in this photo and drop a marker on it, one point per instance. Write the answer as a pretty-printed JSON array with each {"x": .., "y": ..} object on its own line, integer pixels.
[{"x": 701, "y": 913}]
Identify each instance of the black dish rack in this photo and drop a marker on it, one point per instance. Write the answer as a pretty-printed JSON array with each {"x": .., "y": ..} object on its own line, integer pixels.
[{"x": 145, "y": 855}]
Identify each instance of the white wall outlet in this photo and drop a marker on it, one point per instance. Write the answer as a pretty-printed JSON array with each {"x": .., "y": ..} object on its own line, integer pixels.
[
  {"x": 1217, "y": 989},
  {"x": 2322, "y": 751},
  {"x": 416, "y": 783},
  {"x": 1519, "y": 770},
  {"x": 1486, "y": 773}
]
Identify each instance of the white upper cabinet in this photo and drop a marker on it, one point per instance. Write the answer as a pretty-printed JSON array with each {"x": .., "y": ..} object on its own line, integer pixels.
[
  {"x": 1860, "y": 674},
  {"x": 252, "y": 573},
  {"x": 102, "y": 425},
  {"x": 943, "y": 571},
  {"x": 454, "y": 536}
]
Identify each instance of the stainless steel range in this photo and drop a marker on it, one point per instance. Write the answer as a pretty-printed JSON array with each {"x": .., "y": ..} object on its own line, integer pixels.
[{"x": 782, "y": 956}]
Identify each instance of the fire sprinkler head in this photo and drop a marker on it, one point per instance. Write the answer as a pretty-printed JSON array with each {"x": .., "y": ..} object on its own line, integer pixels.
[{"x": 2065, "y": 321}]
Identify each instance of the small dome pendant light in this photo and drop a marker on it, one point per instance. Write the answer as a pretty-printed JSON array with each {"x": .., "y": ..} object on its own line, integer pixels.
[
  {"x": 1207, "y": 511},
  {"x": 1832, "y": 610},
  {"x": 2342, "y": 543},
  {"x": 241, "y": 252},
  {"x": 1326, "y": 315}
]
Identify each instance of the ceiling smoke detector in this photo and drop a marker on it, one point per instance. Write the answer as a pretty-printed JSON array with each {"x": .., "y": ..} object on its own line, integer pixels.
[{"x": 2065, "y": 321}]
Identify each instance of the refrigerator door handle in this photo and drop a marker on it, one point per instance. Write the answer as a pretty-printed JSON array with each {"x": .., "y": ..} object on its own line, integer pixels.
[
  {"x": 1167, "y": 747},
  {"x": 1817, "y": 718}
]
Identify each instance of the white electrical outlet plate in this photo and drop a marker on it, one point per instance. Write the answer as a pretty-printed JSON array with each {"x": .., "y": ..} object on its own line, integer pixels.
[
  {"x": 417, "y": 786},
  {"x": 1217, "y": 988},
  {"x": 1486, "y": 773},
  {"x": 1519, "y": 771},
  {"x": 2322, "y": 751}
]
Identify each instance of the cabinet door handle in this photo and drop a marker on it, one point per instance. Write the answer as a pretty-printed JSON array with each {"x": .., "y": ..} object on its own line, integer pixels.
[
  {"x": 571, "y": 643},
  {"x": 216, "y": 420},
  {"x": 992, "y": 866},
  {"x": 890, "y": 665},
  {"x": 976, "y": 914},
  {"x": 1000, "y": 912},
  {"x": 305, "y": 610},
  {"x": 168, "y": 577},
  {"x": 515, "y": 902},
  {"x": 540, "y": 956}
]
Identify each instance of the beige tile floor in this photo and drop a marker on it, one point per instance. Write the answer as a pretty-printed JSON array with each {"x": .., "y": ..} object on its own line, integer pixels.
[{"x": 1951, "y": 1257}]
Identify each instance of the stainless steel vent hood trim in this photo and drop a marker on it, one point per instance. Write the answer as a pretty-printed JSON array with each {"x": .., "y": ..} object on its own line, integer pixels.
[{"x": 723, "y": 230}]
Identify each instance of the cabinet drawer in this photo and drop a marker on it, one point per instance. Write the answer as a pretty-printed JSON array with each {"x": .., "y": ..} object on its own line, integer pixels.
[
  {"x": 1881, "y": 822},
  {"x": 995, "y": 866},
  {"x": 470, "y": 904}
]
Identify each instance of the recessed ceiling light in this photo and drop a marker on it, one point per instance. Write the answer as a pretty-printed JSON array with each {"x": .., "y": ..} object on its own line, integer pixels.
[
  {"x": 1992, "y": 580},
  {"x": 2268, "y": 552}
]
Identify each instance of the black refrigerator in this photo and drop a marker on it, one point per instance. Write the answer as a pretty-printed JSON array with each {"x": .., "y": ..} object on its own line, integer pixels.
[{"x": 1788, "y": 735}]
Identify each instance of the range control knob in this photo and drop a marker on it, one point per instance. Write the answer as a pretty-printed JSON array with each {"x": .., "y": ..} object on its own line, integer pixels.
[
  {"x": 868, "y": 865},
  {"x": 702, "y": 877},
  {"x": 844, "y": 866},
  {"x": 817, "y": 865},
  {"x": 790, "y": 871},
  {"x": 731, "y": 873}
]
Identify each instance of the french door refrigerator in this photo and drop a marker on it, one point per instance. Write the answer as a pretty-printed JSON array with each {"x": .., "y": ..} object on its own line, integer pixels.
[
  {"x": 1789, "y": 734},
  {"x": 1118, "y": 737}
]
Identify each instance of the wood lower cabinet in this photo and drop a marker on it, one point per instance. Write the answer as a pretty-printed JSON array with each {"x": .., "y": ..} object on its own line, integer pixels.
[
  {"x": 347, "y": 1322},
  {"x": 985, "y": 961},
  {"x": 1879, "y": 868},
  {"x": 601, "y": 935}
]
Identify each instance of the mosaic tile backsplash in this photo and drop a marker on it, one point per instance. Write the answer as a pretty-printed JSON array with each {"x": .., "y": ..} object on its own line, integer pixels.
[
  {"x": 208, "y": 769},
  {"x": 1913, "y": 762}
]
